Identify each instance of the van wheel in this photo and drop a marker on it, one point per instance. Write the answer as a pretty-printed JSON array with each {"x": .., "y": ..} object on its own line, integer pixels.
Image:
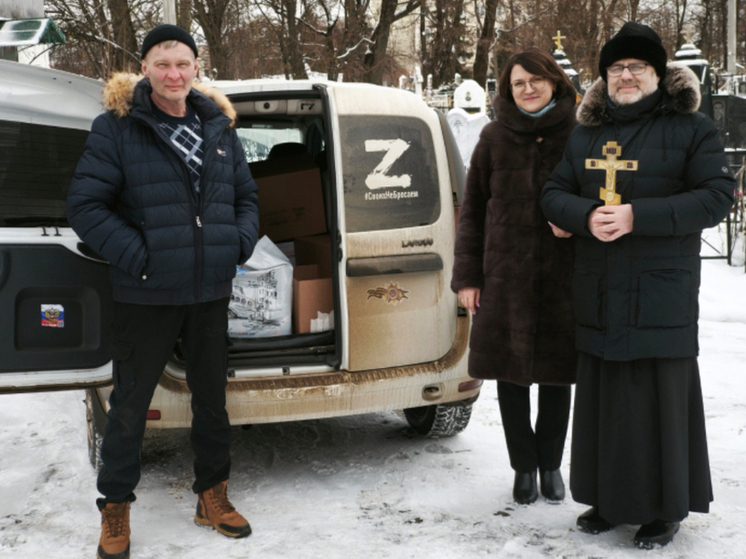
[
  {"x": 439, "y": 420},
  {"x": 94, "y": 414}
]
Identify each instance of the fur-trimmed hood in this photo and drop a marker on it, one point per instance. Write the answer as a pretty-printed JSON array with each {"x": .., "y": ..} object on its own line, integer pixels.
[
  {"x": 681, "y": 85},
  {"x": 119, "y": 95}
]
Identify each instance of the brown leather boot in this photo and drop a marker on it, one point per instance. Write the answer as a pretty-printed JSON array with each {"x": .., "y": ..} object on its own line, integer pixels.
[
  {"x": 115, "y": 531},
  {"x": 215, "y": 510}
]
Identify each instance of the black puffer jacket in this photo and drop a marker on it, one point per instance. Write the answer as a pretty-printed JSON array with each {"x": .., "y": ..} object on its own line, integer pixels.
[
  {"x": 131, "y": 200},
  {"x": 637, "y": 297}
]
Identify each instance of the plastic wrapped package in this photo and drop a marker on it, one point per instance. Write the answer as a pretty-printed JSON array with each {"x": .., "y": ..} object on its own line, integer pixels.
[{"x": 262, "y": 298}]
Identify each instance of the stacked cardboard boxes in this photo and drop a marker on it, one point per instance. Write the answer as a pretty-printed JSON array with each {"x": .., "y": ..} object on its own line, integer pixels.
[{"x": 291, "y": 208}]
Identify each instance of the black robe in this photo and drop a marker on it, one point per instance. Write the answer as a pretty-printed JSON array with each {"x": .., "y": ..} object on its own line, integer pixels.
[{"x": 639, "y": 447}]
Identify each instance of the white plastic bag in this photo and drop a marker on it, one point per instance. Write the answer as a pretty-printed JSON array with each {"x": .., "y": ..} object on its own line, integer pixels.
[{"x": 262, "y": 299}]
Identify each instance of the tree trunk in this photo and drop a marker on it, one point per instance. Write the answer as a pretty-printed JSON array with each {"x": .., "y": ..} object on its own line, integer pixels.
[
  {"x": 211, "y": 17},
  {"x": 486, "y": 39},
  {"x": 184, "y": 14},
  {"x": 375, "y": 57},
  {"x": 124, "y": 58},
  {"x": 295, "y": 44}
]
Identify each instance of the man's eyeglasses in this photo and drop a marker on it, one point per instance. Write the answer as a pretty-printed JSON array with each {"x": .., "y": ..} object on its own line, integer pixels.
[
  {"x": 536, "y": 83},
  {"x": 636, "y": 68}
]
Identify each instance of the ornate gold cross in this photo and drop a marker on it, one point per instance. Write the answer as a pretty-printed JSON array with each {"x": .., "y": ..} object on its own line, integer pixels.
[
  {"x": 611, "y": 150},
  {"x": 558, "y": 39}
]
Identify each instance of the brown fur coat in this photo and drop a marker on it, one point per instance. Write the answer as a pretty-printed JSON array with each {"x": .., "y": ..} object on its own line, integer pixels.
[{"x": 523, "y": 329}]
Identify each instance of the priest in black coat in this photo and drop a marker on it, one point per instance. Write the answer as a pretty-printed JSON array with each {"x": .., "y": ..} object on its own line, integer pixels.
[{"x": 643, "y": 174}]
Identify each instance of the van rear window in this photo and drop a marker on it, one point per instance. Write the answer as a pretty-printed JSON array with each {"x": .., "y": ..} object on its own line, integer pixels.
[
  {"x": 36, "y": 166},
  {"x": 390, "y": 173}
]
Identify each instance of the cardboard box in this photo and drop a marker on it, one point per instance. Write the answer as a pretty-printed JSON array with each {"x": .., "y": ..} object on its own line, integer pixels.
[
  {"x": 314, "y": 249},
  {"x": 290, "y": 198},
  {"x": 312, "y": 294}
]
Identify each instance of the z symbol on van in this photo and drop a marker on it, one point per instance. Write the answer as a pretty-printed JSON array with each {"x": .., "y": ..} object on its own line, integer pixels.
[{"x": 379, "y": 177}]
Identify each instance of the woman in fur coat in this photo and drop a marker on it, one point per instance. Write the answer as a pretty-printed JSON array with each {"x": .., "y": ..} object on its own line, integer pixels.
[{"x": 513, "y": 269}]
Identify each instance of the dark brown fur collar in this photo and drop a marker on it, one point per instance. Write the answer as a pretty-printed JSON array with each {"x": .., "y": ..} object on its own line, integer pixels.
[{"x": 511, "y": 117}]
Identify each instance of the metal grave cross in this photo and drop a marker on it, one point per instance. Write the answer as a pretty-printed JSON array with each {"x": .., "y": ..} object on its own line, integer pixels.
[
  {"x": 557, "y": 40},
  {"x": 611, "y": 165}
]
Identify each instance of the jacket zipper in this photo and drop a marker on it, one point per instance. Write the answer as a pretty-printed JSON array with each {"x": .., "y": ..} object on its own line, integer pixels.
[
  {"x": 197, "y": 230},
  {"x": 209, "y": 148}
]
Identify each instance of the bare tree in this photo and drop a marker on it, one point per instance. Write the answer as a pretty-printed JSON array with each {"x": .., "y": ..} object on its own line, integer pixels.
[
  {"x": 486, "y": 42},
  {"x": 184, "y": 14},
  {"x": 283, "y": 18},
  {"x": 215, "y": 18},
  {"x": 255, "y": 53},
  {"x": 375, "y": 61},
  {"x": 250, "y": 38},
  {"x": 342, "y": 28},
  {"x": 123, "y": 35},
  {"x": 101, "y": 35}
]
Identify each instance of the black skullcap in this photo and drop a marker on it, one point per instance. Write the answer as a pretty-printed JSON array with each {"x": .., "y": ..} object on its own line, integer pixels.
[
  {"x": 634, "y": 40},
  {"x": 167, "y": 32}
]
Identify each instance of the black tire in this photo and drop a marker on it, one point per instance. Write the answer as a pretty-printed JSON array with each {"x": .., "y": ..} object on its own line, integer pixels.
[
  {"x": 95, "y": 423},
  {"x": 439, "y": 420}
]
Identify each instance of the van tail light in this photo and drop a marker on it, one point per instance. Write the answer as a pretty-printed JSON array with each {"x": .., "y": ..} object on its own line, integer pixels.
[
  {"x": 153, "y": 414},
  {"x": 470, "y": 385}
]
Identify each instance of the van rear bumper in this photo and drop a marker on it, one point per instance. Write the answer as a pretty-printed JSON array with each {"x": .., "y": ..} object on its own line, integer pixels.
[{"x": 329, "y": 394}]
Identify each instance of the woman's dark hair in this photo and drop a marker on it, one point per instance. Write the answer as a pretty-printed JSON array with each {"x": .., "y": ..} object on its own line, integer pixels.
[{"x": 539, "y": 63}]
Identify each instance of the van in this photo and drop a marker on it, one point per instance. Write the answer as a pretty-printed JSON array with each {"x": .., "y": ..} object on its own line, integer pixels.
[{"x": 359, "y": 186}]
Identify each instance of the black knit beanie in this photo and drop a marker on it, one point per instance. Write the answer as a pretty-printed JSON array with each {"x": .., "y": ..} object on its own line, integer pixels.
[
  {"x": 167, "y": 32},
  {"x": 634, "y": 40}
]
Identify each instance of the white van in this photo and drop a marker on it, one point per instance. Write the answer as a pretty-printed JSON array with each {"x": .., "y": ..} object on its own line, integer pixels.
[{"x": 376, "y": 222}]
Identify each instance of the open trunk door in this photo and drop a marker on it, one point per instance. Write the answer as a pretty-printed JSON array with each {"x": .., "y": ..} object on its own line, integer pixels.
[{"x": 55, "y": 295}]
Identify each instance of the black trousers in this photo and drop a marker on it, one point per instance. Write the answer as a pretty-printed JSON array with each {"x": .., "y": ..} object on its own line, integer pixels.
[
  {"x": 542, "y": 448},
  {"x": 143, "y": 339}
]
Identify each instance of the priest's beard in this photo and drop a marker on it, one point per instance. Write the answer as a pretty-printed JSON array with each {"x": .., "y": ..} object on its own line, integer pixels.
[{"x": 628, "y": 98}]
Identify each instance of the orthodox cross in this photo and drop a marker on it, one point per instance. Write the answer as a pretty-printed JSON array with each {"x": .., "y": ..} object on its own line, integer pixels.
[
  {"x": 558, "y": 39},
  {"x": 611, "y": 165}
]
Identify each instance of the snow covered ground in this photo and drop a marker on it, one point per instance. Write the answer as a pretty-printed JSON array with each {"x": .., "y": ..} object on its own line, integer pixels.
[{"x": 363, "y": 487}]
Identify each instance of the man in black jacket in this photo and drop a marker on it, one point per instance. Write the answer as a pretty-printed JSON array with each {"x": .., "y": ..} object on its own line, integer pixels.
[
  {"x": 164, "y": 193},
  {"x": 642, "y": 176}
]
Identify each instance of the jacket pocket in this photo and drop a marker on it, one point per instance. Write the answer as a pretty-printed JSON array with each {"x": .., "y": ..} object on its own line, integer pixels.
[
  {"x": 665, "y": 299},
  {"x": 588, "y": 299}
]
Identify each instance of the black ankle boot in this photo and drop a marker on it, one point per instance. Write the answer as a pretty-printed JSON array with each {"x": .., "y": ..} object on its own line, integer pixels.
[
  {"x": 657, "y": 532},
  {"x": 524, "y": 488},
  {"x": 552, "y": 486},
  {"x": 591, "y": 522}
]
